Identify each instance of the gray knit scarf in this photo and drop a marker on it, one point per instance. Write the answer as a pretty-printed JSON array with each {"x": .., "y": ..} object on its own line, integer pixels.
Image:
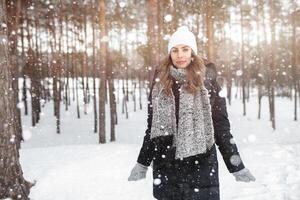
[{"x": 195, "y": 133}]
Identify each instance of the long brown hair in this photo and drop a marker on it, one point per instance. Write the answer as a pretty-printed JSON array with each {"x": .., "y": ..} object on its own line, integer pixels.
[{"x": 195, "y": 74}]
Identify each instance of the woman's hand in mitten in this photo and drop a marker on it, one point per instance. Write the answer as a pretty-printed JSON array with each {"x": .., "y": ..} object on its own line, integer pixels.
[
  {"x": 138, "y": 172},
  {"x": 243, "y": 175}
]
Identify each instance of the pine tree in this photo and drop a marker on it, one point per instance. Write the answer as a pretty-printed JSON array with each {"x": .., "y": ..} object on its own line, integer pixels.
[{"x": 12, "y": 183}]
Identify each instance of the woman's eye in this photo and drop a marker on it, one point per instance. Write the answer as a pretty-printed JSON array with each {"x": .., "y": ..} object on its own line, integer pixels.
[{"x": 185, "y": 50}]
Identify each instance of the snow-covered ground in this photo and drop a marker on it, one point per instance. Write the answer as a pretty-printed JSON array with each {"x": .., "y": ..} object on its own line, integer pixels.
[{"x": 72, "y": 165}]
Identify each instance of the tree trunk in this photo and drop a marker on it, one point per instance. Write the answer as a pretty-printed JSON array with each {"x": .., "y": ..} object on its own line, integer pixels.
[
  {"x": 210, "y": 31},
  {"x": 112, "y": 100},
  {"x": 76, "y": 74},
  {"x": 140, "y": 90},
  {"x": 152, "y": 14},
  {"x": 271, "y": 91},
  {"x": 160, "y": 32},
  {"x": 24, "y": 87},
  {"x": 229, "y": 69},
  {"x": 67, "y": 71},
  {"x": 259, "y": 57},
  {"x": 124, "y": 102},
  {"x": 294, "y": 62},
  {"x": 13, "y": 15},
  {"x": 134, "y": 96},
  {"x": 56, "y": 82},
  {"x": 86, "y": 63},
  {"x": 102, "y": 88},
  {"x": 126, "y": 68},
  {"x": 30, "y": 70},
  {"x": 12, "y": 183},
  {"x": 94, "y": 74},
  {"x": 243, "y": 61},
  {"x": 38, "y": 75}
]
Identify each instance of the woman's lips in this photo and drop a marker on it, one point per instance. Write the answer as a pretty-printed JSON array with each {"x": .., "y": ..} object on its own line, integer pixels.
[{"x": 180, "y": 62}]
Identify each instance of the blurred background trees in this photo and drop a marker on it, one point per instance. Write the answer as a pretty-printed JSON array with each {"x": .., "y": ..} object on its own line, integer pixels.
[{"x": 62, "y": 49}]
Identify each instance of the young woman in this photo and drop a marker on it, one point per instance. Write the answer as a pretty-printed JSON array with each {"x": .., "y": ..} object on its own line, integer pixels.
[{"x": 186, "y": 118}]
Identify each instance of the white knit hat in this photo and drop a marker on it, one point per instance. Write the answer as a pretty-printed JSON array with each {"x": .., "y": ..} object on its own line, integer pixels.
[{"x": 183, "y": 36}]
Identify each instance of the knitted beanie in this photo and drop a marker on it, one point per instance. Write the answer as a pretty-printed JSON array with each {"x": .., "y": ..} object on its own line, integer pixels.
[{"x": 183, "y": 36}]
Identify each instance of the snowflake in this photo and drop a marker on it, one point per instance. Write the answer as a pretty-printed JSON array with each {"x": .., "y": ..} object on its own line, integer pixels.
[
  {"x": 168, "y": 18},
  {"x": 157, "y": 181},
  {"x": 239, "y": 72},
  {"x": 122, "y": 4}
]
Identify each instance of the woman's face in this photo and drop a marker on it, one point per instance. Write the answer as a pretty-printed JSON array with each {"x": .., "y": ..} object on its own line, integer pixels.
[{"x": 181, "y": 55}]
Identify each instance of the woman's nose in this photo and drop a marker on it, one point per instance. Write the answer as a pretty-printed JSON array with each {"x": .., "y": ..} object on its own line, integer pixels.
[{"x": 180, "y": 54}]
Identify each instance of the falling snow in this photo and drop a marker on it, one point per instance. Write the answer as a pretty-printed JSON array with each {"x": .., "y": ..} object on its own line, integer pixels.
[
  {"x": 239, "y": 72},
  {"x": 157, "y": 181},
  {"x": 168, "y": 18}
]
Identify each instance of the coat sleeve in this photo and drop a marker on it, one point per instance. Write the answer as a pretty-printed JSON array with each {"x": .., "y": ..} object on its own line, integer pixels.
[
  {"x": 146, "y": 153},
  {"x": 223, "y": 136}
]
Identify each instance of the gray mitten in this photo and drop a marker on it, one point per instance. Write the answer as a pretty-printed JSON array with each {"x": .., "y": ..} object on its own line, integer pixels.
[
  {"x": 243, "y": 175},
  {"x": 138, "y": 172}
]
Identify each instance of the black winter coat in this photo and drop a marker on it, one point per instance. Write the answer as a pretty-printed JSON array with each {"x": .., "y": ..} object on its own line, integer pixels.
[{"x": 195, "y": 177}]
